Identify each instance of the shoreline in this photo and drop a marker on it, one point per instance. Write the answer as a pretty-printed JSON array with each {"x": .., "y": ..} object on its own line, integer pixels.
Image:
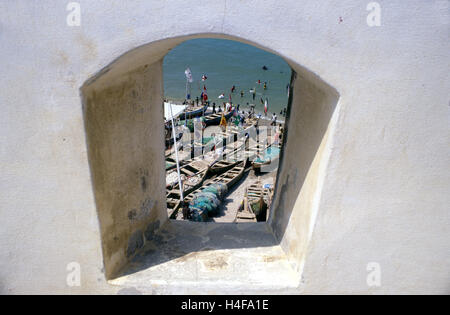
[{"x": 263, "y": 117}]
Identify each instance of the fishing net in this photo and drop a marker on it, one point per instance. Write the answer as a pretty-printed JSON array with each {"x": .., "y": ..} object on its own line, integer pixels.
[
  {"x": 207, "y": 201},
  {"x": 218, "y": 189},
  {"x": 198, "y": 215}
]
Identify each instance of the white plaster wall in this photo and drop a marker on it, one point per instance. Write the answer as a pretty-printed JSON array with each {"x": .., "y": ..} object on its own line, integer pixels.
[{"x": 385, "y": 196}]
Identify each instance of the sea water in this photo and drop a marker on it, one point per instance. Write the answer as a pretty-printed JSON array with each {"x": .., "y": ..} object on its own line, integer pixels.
[{"x": 227, "y": 63}]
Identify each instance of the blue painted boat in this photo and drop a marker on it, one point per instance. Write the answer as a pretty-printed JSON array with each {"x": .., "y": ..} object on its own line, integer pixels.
[{"x": 193, "y": 112}]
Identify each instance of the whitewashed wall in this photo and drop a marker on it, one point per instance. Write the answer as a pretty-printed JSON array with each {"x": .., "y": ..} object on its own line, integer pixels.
[{"x": 385, "y": 192}]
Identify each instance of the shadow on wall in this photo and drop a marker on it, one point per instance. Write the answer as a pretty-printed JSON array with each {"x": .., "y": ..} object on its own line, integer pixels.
[
  {"x": 311, "y": 108},
  {"x": 123, "y": 113}
]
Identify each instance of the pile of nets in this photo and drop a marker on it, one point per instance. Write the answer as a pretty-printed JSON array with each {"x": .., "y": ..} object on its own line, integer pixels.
[{"x": 206, "y": 203}]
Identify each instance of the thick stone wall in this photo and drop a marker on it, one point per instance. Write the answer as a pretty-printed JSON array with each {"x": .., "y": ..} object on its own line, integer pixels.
[{"x": 376, "y": 188}]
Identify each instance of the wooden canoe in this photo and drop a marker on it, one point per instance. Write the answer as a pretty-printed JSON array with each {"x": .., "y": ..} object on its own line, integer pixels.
[
  {"x": 229, "y": 178},
  {"x": 193, "y": 112},
  {"x": 271, "y": 162}
]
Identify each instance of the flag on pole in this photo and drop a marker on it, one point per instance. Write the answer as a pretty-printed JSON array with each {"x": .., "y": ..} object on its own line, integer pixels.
[{"x": 188, "y": 74}]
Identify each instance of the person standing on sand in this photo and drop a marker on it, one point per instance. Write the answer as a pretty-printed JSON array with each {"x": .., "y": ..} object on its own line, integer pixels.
[
  {"x": 276, "y": 139},
  {"x": 274, "y": 120},
  {"x": 214, "y": 108},
  {"x": 186, "y": 211}
]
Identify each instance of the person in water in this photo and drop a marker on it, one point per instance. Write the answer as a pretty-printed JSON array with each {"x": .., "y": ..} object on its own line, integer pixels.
[
  {"x": 232, "y": 89},
  {"x": 264, "y": 68},
  {"x": 265, "y": 85},
  {"x": 242, "y": 93}
]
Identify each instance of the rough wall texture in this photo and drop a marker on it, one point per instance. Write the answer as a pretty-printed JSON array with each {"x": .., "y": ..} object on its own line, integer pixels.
[
  {"x": 384, "y": 193},
  {"x": 295, "y": 203},
  {"x": 125, "y": 142}
]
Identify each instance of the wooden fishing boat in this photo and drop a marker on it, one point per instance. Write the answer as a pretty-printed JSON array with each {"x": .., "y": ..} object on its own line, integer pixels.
[
  {"x": 244, "y": 215},
  {"x": 193, "y": 112},
  {"x": 257, "y": 203},
  {"x": 193, "y": 175},
  {"x": 220, "y": 167},
  {"x": 229, "y": 178},
  {"x": 209, "y": 120},
  {"x": 214, "y": 119},
  {"x": 267, "y": 160}
]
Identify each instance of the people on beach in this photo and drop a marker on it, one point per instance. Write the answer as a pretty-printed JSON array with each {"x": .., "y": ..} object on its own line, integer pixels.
[
  {"x": 186, "y": 211},
  {"x": 276, "y": 138},
  {"x": 214, "y": 108},
  {"x": 274, "y": 120}
]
